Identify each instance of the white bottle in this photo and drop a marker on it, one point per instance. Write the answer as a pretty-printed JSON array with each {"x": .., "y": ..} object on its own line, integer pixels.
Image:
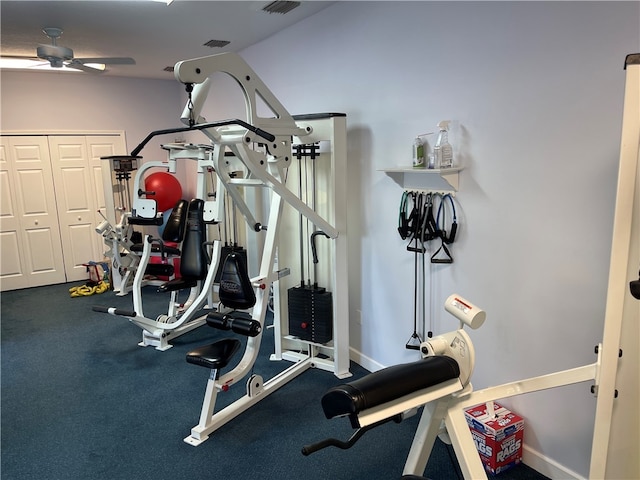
[{"x": 443, "y": 151}]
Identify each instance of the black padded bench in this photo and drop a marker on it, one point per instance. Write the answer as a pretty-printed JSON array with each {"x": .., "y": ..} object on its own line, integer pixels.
[
  {"x": 388, "y": 384},
  {"x": 378, "y": 389},
  {"x": 216, "y": 355}
]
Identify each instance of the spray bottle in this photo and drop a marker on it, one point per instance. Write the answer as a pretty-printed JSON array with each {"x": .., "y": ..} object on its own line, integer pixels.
[{"x": 443, "y": 151}]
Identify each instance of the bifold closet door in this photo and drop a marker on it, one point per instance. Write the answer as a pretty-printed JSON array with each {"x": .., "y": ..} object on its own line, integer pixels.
[
  {"x": 78, "y": 176},
  {"x": 31, "y": 250}
]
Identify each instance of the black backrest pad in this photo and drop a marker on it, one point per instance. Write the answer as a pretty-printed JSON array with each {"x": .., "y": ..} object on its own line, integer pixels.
[
  {"x": 388, "y": 384},
  {"x": 176, "y": 223},
  {"x": 193, "y": 262},
  {"x": 236, "y": 290}
]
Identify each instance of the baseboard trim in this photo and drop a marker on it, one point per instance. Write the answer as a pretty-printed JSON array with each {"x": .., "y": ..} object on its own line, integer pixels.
[
  {"x": 364, "y": 361},
  {"x": 547, "y": 466}
]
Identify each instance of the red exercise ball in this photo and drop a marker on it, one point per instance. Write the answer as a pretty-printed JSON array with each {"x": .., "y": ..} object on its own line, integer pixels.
[{"x": 166, "y": 188}]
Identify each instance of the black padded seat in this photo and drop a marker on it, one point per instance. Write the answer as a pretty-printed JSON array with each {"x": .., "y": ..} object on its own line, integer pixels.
[
  {"x": 193, "y": 261},
  {"x": 388, "y": 384},
  {"x": 216, "y": 355}
]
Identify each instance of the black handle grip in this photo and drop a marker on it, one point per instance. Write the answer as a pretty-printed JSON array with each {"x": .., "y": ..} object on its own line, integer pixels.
[
  {"x": 314, "y": 252},
  {"x": 329, "y": 442},
  {"x": 114, "y": 311},
  {"x": 202, "y": 126},
  {"x": 266, "y": 135},
  {"x": 441, "y": 260}
]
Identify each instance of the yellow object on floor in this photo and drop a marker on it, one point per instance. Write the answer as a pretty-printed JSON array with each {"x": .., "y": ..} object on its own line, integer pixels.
[{"x": 86, "y": 290}]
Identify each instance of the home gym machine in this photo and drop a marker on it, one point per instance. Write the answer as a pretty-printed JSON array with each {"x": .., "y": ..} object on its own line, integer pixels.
[
  {"x": 439, "y": 382},
  {"x": 119, "y": 236},
  {"x": 263, "y": 147}
]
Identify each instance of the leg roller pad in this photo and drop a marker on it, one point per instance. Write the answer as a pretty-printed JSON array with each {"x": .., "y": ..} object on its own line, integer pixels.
[{"x": 388, "y": 384}]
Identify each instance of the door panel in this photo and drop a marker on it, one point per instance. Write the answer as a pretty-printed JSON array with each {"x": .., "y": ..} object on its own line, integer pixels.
[
  {"x": 75, "y": 201},
  {"x": 31, "y": 247},
  {"x": 51, "y": 188},
  {"x": 104, "y": 146}
]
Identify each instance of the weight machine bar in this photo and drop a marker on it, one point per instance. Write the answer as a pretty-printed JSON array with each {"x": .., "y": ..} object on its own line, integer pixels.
[{"x": 203, "y": 126}]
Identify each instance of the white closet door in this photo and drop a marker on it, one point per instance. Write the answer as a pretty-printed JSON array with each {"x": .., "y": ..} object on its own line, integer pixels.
[
  {"x": 30, "y": 246},
  {"x": 76, "y": 202}
]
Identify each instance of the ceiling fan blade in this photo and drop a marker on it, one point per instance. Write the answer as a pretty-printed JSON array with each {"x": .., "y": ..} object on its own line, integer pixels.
[
  {"x": 80, "y": 66},
  {"x": 107, "y": 60}
]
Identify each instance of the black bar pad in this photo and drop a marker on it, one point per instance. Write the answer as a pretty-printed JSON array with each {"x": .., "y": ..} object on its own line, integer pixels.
[
  {"x": 248, "y": 328},
  {"x": 239, "y": 322},
  {"x": 217, "y": 355},
  {"x": 169, "y": 251},
  {"x": 145, "y": 221},
  {"x": 193, "y": 263},
  {"x": 388, "y": 384},
  {"x": 221, "y": 321},
  {"x": 159, "y": 269}
]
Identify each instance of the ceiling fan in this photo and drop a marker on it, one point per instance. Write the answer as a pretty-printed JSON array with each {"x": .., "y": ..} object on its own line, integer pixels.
[{"x": 59, "y": 56}]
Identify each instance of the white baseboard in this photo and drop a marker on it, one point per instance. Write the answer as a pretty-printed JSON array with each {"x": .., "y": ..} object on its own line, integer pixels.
[
  {"x": 547, "y": 466},
  {"x": 364, "y": 361}
]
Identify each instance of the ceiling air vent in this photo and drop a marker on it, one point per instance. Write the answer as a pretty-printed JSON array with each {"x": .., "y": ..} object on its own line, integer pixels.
[
  {"x": 217, "y": 43},
  {"x": 280, "y": 7}
]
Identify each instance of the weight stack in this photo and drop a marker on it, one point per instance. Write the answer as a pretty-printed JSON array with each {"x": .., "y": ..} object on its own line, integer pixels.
[{"x": 310, "y": 313}]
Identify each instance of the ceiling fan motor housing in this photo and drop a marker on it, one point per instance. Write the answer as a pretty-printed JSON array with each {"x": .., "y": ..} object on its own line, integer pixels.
[{"x": 55, "y": 54}]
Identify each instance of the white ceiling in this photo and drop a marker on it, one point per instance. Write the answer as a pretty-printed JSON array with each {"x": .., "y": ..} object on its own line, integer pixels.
[{"x": 156, "y": 35}]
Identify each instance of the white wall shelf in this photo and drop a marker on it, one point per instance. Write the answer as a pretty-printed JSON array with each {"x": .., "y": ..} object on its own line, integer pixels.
[{"x": 439, "y": 179}]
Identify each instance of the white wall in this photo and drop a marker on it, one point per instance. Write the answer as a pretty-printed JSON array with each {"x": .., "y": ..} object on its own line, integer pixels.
[
  {"x": 43, "y": 101},
  {"x": 535, "y": 91}
]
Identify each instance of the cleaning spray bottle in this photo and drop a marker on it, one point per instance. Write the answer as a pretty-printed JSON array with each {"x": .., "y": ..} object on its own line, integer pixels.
[{"x": 443, "y": 151}]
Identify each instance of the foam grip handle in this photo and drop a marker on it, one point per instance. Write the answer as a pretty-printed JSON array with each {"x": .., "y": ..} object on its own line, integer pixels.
[
  {"x": 114, "y": 311},
  {"x": 266, "y": 135},
  {"x": 242, "y": 326},
  {"x": 452, "y": 235}
]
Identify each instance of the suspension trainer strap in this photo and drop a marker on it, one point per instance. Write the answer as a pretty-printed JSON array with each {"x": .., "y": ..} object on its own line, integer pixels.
[{"x": 403, "y": 220}]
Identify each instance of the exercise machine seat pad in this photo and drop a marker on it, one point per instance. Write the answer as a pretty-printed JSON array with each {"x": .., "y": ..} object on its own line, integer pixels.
[
  {"x": 176, "y": 225},
  {"x": 193, "y": 261},
  {"x": 388, "y": 384},
  {"x": 216, "y": 355}
]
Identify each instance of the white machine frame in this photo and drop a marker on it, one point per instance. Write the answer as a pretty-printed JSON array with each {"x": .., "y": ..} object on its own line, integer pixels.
[
  {"x": 263, "y": 148},
  {"x": 267, "y": 169}
]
